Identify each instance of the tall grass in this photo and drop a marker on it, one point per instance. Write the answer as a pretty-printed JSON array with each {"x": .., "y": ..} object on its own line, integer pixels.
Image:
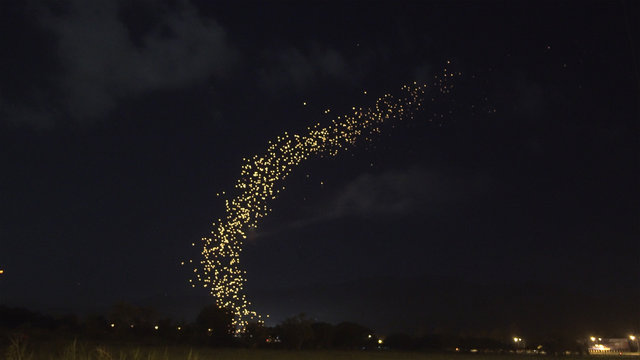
[{"x": 19, "y": 349}]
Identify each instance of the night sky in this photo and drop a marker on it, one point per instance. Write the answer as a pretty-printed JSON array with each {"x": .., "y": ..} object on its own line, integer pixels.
[{"x": 121, "y": 121}]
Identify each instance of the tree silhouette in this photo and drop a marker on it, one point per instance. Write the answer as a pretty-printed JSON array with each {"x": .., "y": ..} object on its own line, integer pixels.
[
  {"x": 296, "y": 332},
  {"x": 351, "y": 335},
  {"x": 323, "y": 335},
  {"x": 214, "y": 325},
  {"x": 256, "y": 334}
]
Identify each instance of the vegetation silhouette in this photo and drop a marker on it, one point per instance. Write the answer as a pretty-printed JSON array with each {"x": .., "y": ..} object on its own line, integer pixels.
[{"x": 130, "y": 325}]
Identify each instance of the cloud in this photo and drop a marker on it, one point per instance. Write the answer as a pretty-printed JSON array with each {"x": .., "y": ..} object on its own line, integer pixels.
[
  {"x": 389, "y": 193},
  {"x": 297, "y": 69},
  {"x": 100, "y": 63},
  {"x": 33, "y": 117},
  {"x": 395, "y": 193}
]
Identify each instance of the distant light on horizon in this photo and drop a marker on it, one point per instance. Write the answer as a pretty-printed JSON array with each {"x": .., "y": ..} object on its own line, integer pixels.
[{"x": 601, "y": 347}]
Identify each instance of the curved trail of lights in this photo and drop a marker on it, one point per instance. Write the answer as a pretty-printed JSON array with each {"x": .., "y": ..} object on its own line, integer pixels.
[{"x": 261, "y": 181}]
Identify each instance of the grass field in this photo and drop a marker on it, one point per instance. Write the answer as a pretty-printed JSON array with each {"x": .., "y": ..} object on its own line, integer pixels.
[{"x": 81, "y": 351}]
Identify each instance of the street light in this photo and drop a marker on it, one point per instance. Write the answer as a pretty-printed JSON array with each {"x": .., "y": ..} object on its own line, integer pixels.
[
  {"x": 635, "y": 338},
  {"x": 518, "y": 342}
]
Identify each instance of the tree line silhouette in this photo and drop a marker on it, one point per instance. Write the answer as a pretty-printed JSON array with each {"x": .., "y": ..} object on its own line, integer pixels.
[{"x": 129, "y": 324}]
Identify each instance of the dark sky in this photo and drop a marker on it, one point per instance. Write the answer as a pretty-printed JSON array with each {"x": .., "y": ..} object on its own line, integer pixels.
[{"x": 120, "y": 121}]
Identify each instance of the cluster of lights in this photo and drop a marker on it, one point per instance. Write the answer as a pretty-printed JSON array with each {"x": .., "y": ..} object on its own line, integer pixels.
[
  {"x": 155, "y": 327},
  {"x": 261, "y": 180},
  {"x": 601, "y": 347}
]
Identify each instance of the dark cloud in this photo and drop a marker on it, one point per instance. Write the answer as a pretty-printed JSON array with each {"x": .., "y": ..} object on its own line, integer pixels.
[
  {"x": 35, "y": 118},
  {"x": 396, "y": 193},
  {"x": 297, "y": 69},
  {"x": 387, "y": 193},
  {"x": 100, "y": 63}
]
